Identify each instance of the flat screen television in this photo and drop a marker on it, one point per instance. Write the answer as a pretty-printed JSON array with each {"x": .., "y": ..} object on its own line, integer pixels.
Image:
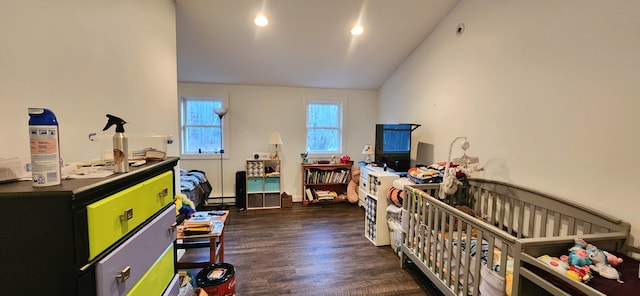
[{"x": 393, "y": 145}]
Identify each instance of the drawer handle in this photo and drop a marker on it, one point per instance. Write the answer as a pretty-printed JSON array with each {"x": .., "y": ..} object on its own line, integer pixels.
[
  {"x": 127, "y": 215},
  {"x": 124, "y": 274},
  {"x": 163, "y": 193}
]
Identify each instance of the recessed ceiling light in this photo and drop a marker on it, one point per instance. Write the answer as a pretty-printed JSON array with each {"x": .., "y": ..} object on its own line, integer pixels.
[
  {"x": 261, "y": 20},
  {"x": 357, "y": 30}
]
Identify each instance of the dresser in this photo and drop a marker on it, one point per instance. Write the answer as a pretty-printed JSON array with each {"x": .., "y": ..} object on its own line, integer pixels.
[{"x": 106, "y": 236}]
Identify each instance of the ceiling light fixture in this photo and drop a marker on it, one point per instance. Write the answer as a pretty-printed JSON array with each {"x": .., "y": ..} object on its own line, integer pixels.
[
  {"x": 357, "y": 30},
  {"x": 261, "y": 20}
]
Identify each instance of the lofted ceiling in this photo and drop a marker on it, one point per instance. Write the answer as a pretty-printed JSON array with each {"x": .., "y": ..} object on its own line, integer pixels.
[{"x": 307, "y": 43}]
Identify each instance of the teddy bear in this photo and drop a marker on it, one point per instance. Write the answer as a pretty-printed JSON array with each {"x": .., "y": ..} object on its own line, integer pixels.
[
  {"x": 598, "y": 258},
  {"x": 352, "y": 187}
]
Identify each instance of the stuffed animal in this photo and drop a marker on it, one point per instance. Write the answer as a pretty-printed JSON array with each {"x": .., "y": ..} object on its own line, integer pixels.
[
  {"x": 352, "y": 187},
  {"x": 598, "y": 258},
  {"x": 578, "y": 255},
  {"x": 184, "y": 207},
  {"x": 450, "y": 184},
  {"x": 395, "y": 196},
  {"x": 183, "y": 203},
  {"x": 466, "y": 210},
  {"x": 611, "y": 259}
]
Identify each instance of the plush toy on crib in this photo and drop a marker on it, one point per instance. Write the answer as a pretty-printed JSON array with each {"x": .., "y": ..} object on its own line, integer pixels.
[
  {"x": 578, "y": 255},
  {"x": 450, "y": 184},
  {"x": 610, "y": 259},
  {"x": 582, "y": 274},
  {"x": 601, "y": 266}
]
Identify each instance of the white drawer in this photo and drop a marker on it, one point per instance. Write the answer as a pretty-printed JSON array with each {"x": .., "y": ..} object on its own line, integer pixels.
[{"x": 138, "y": 253}]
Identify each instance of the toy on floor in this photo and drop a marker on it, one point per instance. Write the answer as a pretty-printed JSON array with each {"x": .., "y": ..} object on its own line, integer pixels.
[{"x": 352, "y": 187}]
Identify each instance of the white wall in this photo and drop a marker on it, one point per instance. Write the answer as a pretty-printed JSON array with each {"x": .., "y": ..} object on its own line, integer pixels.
[
  {"x": 547, "y": 93},
  {"x": 257, "y": 111},
  {"x": 84, "y": 59}
]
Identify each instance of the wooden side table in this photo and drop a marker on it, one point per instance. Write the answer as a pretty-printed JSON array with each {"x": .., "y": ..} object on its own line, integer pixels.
[{"x": 201, "y": 250}]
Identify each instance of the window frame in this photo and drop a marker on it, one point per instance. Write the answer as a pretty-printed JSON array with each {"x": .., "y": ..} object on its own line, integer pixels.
[
  {"x": 223, "y": 125},
  {"x": 340, "y": 103}
]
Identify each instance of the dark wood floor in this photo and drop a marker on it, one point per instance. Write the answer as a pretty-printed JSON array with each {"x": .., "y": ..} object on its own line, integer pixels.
[{"x": 314, "y": 250}]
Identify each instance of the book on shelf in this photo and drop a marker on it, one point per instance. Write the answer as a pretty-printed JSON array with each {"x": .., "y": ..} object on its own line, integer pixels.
[
  {"x": 334, "y": 176},
  {"x": 309, "y": 194},
  {"x": 325, "y": 194}
]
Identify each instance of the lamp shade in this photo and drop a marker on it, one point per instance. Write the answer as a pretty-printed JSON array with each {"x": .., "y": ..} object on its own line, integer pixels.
[
  {"x": 275, "y": 139},
  {"x": 220, "y": 111},
  {"x": 367, "y": 149}
]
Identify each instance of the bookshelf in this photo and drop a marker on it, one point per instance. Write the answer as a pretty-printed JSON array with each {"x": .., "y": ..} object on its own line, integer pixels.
[
  {"x": 376, "y": 228},
  {"x": 263, "y": 184},
  {"x": 322, "y": 178}
]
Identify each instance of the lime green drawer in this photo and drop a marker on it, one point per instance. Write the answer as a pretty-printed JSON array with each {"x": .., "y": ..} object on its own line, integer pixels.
[
  {"x": 112, "y": 217},
  {"x": 157, "y": 277},
  {"x": 160, "y": 189}
]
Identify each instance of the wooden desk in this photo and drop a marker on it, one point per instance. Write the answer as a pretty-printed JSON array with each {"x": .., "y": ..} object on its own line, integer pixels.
[{"x": 201, "y": 250}]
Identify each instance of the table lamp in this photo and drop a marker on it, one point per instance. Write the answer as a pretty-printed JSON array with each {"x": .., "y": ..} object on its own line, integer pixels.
[
  {"x": 368, "y": 151},
  {"x": 275, "y": 140}
]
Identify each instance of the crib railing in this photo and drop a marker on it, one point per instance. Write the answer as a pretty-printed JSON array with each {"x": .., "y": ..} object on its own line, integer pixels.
[
  {"x": 509, "y": 222},
  {"x": 451, "y": 246},
  {"x": 528, "y": 213}
]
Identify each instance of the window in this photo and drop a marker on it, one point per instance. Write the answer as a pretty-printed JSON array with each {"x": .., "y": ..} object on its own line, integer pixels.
[
  {"x": 324, "y": 127},
  {"x": 201, "y": 128}
]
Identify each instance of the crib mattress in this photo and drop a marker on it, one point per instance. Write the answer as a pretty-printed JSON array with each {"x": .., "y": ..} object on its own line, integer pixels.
[{"x": 628, "y": 268}]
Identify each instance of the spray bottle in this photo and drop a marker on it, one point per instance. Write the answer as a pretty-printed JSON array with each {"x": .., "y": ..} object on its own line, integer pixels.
[
  {"x": 120, "y": 144},
  {"x": 45, "y": 147}
]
